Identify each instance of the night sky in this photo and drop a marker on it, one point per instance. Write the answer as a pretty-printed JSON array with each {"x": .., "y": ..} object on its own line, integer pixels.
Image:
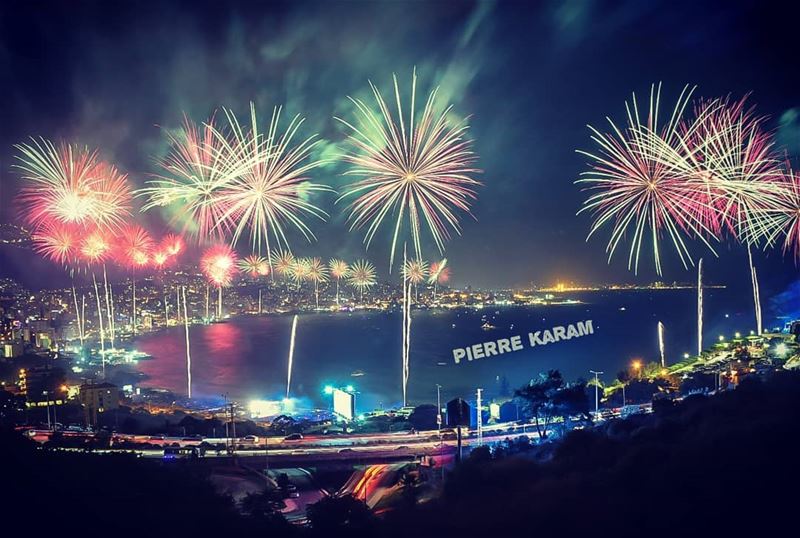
[{"x": 530, "y": 76}]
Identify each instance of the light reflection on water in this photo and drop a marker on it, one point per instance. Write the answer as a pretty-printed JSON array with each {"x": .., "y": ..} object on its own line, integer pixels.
[{"x": 246, "y": 358}]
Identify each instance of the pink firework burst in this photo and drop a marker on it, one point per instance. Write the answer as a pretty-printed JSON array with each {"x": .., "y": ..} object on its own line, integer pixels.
[
  {"x": 218, "y": 264},
  {"x": 134, "y": 247},
  {"x": 57, "y": 242}
]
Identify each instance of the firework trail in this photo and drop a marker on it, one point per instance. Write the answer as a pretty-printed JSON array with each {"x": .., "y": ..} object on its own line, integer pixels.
[
  {"x": 418, "y": 169},
  {"x": 196, "y": 169},
  {"x": 439, "y": 272},
  {"x": 700, "y": 308},
  {"x": 339, "y": 270},
  {"x": 272, "y": 190},
  {"x": 756, "y": 294},
  {"x": 362, "y": 276},
  {"x": 661, "y": 344},
  {"x": 291, "y": 356},
  {"x": 406, "y": 319},
  {"x": 317, "y": 272},
  {"x": 188, "y": 352},
  {"x": 640, "y": 186},
  {"x": 218, "y": 264},
  {"x": 70, "y": 185},
  {"x": 136, "y": 247},
  {"x": 93, "y": 250}
]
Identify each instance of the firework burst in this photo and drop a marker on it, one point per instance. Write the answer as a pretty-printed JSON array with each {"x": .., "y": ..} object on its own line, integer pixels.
[
  {"x": 135, "y": 246},
  {"x": 95, "y": 248},
  {"x": 300, "y": 270},
  {"x": 640, "y": 185},
  {"x": 415, "y": 271},
  {"x": 418, "y": 170},
  {"x": 218, "y": 264},
  {"x": 254, "y": 265},
  {"x": 339, "y": 269},
  {"x": 172, "y": 244},
  {"x": 730, "y": 156},
  {"x": 70, "y": 185},
  {"x": 781, "y": 219},
  {"x": 57, "y": 242},
  {"x": 273, "y": 188},
  {"x": 195, "y": 172},
  {"x": 317, "y": 273},
  {"x": 362, "y": 276}
]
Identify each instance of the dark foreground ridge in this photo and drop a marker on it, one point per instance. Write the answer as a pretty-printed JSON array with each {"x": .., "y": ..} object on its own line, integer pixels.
[{"x": 704, "y": 466}]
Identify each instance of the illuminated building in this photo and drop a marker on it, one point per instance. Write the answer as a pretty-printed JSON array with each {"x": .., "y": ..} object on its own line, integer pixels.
[{"x": 98, "y": 398}]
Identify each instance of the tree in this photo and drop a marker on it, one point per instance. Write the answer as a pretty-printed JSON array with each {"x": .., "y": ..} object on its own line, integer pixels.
[
  {"x": 423, "y": 417},
  {"x": 550, "y": 397},
  {"x": 335, "y": 516},
  {"x": 536, "y": 399}
]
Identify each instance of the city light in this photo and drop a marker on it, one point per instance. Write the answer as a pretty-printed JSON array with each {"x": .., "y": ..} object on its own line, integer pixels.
[{"x": 328, "y": 389}]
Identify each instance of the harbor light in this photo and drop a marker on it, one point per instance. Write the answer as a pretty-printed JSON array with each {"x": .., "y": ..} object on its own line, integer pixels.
[{"x": 328, "y": 389}]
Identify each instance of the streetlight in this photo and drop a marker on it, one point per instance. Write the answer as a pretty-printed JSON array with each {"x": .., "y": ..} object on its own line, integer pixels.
[
  {"x": 439, "y": 408},
  {"x": 597, "y": 392},
  {"x": 637, "y": 366},
  {"x": 46, "y": 393}
]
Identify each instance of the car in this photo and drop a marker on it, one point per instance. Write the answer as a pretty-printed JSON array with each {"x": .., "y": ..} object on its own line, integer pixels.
[
  {"x": 345, "y": 450},
  {"x": 294, "y": 437},
  {"x": 251, "y": 438}
]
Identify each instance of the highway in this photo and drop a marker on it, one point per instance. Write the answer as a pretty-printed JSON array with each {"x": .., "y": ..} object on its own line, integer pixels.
[{"x": 361, "y": 448}]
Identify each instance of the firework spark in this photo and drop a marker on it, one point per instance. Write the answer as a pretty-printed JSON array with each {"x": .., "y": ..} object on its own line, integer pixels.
[
  {"x": 272, "y": 189},
  {"x": 418, "y": 170},
  {"x": 640, "y": 184}
]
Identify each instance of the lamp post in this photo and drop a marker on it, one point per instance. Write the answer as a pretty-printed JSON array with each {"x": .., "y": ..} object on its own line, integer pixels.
[
  {"x": 47, "y": 394},
  {"x": 439, "y": 409},
  {"x": 596, "y": 392}
]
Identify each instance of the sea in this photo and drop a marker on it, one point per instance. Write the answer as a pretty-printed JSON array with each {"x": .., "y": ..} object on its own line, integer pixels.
[{"x": 246, "y": 358}]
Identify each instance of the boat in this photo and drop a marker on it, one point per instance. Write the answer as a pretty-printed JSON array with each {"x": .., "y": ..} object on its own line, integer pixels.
[
  {"x": 487, "y": 326},
  {"x": 358, "y": 373}
]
